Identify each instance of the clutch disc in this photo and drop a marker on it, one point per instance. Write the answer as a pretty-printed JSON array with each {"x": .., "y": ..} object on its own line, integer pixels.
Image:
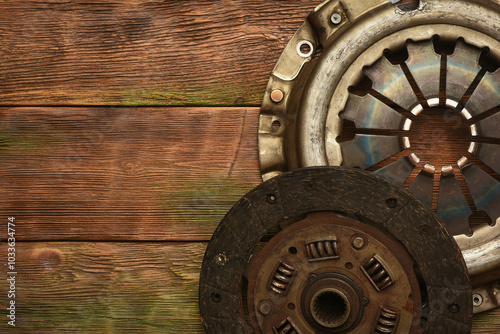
[
  {"x": 332, "y": 250},
  {"x": 411, "y": 93}
]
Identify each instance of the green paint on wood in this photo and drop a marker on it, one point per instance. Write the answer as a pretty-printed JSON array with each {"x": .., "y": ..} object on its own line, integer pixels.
[
  {"x": 201, "y": 95},
  {"x": 203, "y": 202},
  {"x": 12, "y": 142}
]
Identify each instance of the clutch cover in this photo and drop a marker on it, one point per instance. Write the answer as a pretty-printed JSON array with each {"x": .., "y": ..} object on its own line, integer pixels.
[
  {"x": 333, "y": 250},
  {"x": 409, "y": 90}
]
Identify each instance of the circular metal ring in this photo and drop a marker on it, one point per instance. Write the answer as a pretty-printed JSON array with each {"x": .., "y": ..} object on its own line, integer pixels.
[{"x": 308, "y": 49}]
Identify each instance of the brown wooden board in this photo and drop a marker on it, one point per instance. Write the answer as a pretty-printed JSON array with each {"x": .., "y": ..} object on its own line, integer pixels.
[
  {"x": 142, "y": 52},
  {"x": 124, "y": 173},
  {"x": 129, "y": 175},
  {"x": 109, "y": 287},
  {"x": 105, "y": 288}
]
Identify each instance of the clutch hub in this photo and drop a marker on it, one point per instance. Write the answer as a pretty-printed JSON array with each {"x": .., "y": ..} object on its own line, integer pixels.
[
  {"x": 411, "y": 93},
  {"x": 332, "y": 250},
  {"x": 325, "y": 272}
]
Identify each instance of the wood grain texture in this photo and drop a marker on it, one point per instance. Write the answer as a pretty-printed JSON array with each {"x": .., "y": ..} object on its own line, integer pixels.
[
  {"x": 142, "y": 52},
  {"x": 105, "y": 288},
  {"x": 124, "y": 173},
  {"x": 102, "y": 287}
]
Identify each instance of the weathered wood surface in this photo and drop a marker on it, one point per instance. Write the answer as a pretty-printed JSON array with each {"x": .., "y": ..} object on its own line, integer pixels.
[
  {"x": 129, "y": 177},
  {"x": 124, "y": 173},
  {"x": 142, "y": 52},
  {"x": 103, "y": 287}
]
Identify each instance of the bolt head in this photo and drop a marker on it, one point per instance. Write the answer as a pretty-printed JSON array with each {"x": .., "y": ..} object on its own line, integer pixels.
[{"x": 336, "y": 18}]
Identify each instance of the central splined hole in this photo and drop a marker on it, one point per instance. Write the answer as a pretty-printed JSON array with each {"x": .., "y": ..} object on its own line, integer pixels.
[{"x": 330, "y": 309}]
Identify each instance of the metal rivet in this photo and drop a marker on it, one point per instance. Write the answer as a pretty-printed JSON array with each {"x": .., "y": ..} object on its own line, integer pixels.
[
  {"x": 392, "y": 202},
  {"x": 271, "y": 199},
  {"x": 265, "y": 308},
  {"x": 221, "y": 259},
  {"x": 358, "y": 242},
  {"x": 477, "y": 299},
  {"x": 453, "y": 308},
  {"x": 336, "y": 18},
  {"x": 277, "y": 95},
  {"x": 424, "y": 229}
]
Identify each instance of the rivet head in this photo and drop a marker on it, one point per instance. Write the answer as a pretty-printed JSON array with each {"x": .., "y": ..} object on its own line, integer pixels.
[
  {"x": 454, "y": 308},
  {"x": 277, "y": 95},
  {"x": 221, "y": 259},
  {"x": 265, "y": 308},
  {"x": 358, "y": 242},
  {"x": 336, "y": 18},
  {"x": 271, "y": 199}
]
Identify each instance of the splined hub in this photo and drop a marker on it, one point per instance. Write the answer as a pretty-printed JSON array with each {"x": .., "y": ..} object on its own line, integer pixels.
[
  {"x": 332, "y": 250},
  {"x": 411, "y": 93}
]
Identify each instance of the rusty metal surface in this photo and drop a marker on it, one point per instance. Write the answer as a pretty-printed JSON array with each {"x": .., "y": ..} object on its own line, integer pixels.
[
  {"x": 332, "y": 274},
  {"x": 361, "y": 197}
]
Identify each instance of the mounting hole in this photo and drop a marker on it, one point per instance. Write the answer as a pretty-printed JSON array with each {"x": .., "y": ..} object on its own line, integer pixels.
[
  {"x": 276, "y": 125},
  {"x": 292, "y": 250},
  {"x": 392, "y": 202},
  {"x": 330, "y": 308},
  {"x": 348, "y": 265},
  {"x": 477, "y": 299},
  {"x": 409, "y": 5},
  {"x": 216, "y": 297},
  {"x": 291, "y": 306},
  {"x": 305, "y": 49}
]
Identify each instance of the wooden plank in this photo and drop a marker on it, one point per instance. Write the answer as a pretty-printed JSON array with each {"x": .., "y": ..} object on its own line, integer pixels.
[
  {"x": 105, "y": 288},
  {"x": 124, "y": 173},
  {"x": 107, "y": 52},
  {"x": 108, "y": 287}
]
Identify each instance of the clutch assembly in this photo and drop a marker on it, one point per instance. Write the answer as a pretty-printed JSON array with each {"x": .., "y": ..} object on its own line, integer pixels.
[
  {"x": 331, "y": 250},
  {"x": 409, "y": 90}
]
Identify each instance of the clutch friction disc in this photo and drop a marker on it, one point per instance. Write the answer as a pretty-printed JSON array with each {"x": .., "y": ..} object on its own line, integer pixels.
[
  {"x": 333, "y": 250},
  {"x": 411, "y": 93}
]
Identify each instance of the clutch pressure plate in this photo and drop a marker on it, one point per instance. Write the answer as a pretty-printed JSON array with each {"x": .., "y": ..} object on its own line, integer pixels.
[
  {"x": 330, "y": 250},
  {"x": 409, "y": 90}
]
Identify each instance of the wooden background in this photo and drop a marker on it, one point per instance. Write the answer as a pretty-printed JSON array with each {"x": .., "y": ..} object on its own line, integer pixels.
[{"x": 127, "y": 130}]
